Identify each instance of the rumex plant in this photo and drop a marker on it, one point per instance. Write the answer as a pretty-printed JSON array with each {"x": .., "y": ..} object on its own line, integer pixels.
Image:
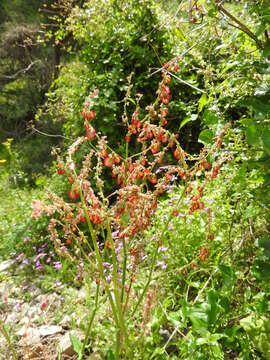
[{"x": 105, "y": 230}]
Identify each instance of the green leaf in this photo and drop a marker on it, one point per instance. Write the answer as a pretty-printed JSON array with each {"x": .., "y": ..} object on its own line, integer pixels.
[
  {"x": 210, "y": 118},
  {"x": 192, "y": 117},
  {"x": 266, "y": 50},
  {"x": 265, "y": 244},
  {"x": 213, "y": 309},
  {"x": 199, "y": 318},
  {"x": 76, "y": 344},
  {"x": 110, "y": 355},
  {"x": 228, "y": 275},
  {"x": 202, "y": 102},
  {"x": 266, "y": 140},
  {"x": 206, "y": 136},
  {"x": 133, "y": 102},
  {"x": 253, "y": 136},
  {"x": 180, "y": 34}
]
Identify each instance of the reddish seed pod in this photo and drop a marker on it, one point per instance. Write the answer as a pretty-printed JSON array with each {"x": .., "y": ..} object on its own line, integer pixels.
[
  {"x": 108, "y": 161},
  {"x": 73, "y": 194},
  {"x": 117, "y": 159},
  {"x": 90, "y": 133},
  {"x": 61, "y": 171},
  {"x": 128, "y": 138},
  {"x": 90, "y": 115},
  {"x": 177, "y": 153},
  {"x": 70, "y": 179},
  {"x": 82, "y": 219},
  {"x": 153, "y": 179},
  {"x": 210, "y": 237},
  {"x": 204, "y": 252},
  {"x": 163, "y": 111},
  {"x": 95, "y": 219},
  {"x": 155, "y": 147}
]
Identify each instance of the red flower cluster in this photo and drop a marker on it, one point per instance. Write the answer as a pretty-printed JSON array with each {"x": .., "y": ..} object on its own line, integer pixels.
[
  {"x": 88, "y": 114},
  {"x": 165, "y": 94},
  {"x": 73, "y": 194}
]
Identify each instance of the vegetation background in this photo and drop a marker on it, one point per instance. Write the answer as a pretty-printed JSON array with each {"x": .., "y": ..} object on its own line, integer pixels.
[{"x": 52, "y": 55}]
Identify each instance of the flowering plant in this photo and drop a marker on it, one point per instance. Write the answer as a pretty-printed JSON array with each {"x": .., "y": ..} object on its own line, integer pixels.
[{"x": 105, "y": 229}]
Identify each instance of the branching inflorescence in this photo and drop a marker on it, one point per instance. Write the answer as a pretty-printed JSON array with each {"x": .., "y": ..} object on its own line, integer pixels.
[{"x": 105, "y": 229}]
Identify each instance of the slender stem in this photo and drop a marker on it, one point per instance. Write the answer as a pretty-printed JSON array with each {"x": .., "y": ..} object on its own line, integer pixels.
[
  {"x": 155, "y": 256},
  {"x": 7, "y": 337},
  {"x": 91, "y": 320},
  {"x": 99, "y": 259},
  {"x": 242, "y": 26},
  {"x": 115, "y": 281},
  {"x": 124, "y": 269}
]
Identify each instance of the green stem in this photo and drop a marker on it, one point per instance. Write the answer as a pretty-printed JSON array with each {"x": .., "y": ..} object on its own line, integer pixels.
[
  {"x": 91, "y": 320},
  {"x": 99, "y": 259},
  {"x": 124, "y": 271},
  {"x": 155, "y": 256},
  {"x": 7, "y": 337},
  {"x": 115, "y": 281}
]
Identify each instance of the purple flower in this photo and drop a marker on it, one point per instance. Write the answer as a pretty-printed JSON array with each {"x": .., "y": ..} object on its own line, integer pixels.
[
  {"x": 39, "y": 256},
  {"x": 20, "y": 256},
  {"x": 162, "y": 265},
  {"x": 109, "y": 278},
  {"x": 26, "y": 262},
  {"x": 57, "y": 265},
  {"x": 58, "y": 283},
  {"x": 162, "y": 249},
  {"x": 115, "y": 234},
  {"x": 26, "y": 238}
]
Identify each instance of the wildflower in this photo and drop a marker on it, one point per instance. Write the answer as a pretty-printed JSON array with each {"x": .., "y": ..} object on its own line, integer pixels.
[
  {"x": 43, "y": 305},
  {"x": 57, "y": 265}
]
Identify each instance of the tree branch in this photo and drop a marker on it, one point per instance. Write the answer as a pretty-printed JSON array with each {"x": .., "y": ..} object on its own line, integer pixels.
[
  {"x": 14, "y": 76},
  {"x": 242, "y": 26}
]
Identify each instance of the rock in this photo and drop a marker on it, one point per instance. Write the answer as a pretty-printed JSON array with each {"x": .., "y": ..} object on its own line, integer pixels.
[
  {"x": 34, "y": 353},
  {"x": 46, "y": 330},
  {"x": 25, "y": 320},
  {"x": 65, "y": 321},
  {"x": 65, "y": 346},
  {"x": 29, "y": 336},
  {"x": 6, "y": 265}
]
